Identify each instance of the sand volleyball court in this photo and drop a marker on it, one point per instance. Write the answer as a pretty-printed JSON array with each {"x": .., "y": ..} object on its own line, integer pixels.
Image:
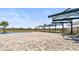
[{"x": 36, "y": 41}]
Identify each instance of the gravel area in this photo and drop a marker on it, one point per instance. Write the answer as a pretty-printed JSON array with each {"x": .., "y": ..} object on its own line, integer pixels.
[{"x": 36, "y": 41}]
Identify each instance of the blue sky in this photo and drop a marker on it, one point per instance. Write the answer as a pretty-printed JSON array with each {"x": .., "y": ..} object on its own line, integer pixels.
[{"x": 27, "y": 17}]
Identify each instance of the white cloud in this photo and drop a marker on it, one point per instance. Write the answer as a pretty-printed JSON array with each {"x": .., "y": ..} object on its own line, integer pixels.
[{"x": 21, "y": 18}]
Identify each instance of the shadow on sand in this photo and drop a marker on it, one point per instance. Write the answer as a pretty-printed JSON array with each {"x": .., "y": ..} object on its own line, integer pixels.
[
  {"x": 73, "y": 38},
  {"x": 4, "y": 33}
]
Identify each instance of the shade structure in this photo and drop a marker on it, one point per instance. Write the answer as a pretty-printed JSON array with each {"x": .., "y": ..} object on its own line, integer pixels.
[
  {"x": 43, "y": 26},
  {"x": 49, "y": 25},
  {"x": 40, "y": 26},
  {"x": 67, "y": 15},
  {"x": 62, "y": 23},
  {"x": 70, "y": 20},
  {"x": 46, "y": 25}
]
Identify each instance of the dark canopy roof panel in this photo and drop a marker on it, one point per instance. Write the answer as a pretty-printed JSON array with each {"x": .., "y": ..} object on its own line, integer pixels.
[
  {"x": 66, "y": 19},
  {"x": 68, "y": 13},
  {"x": 60, "y": 22},
  {"x": 40, "y": 26},
  {"x": 51, "y": 25}
]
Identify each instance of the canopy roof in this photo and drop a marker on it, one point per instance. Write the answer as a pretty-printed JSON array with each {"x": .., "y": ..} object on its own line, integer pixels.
[
  {"x": 68, "y": 13},
  {"x": 51, "y": 25},
  {"x": 47, "y": 25},
  {"x": 67, "y": 19},
  {"x": 60, "y": 22}
]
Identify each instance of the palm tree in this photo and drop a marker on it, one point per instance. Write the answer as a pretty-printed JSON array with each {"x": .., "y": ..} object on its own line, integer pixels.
[{"x": 4, "y": 24}]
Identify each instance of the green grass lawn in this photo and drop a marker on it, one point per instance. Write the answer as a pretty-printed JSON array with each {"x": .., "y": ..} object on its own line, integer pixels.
[
  {"x": 16, "y": 30},
  {"x": 66, "y": 31}
]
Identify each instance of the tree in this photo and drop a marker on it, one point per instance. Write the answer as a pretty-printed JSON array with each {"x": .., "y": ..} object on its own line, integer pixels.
[{"x": 4, "y": 24}]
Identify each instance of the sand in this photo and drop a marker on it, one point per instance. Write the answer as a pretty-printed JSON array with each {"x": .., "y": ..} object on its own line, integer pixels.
[{"x": 36, "y": 41}]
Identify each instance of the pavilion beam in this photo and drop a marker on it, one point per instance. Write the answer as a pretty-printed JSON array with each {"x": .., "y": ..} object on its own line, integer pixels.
[
  {"x": 71, "y": 27},
  {"x": 77, "y": 30},
  {"x": 49, "y": 28},
  {"x": 55, "y": 27},
  {"x": 62, "y": 27},
  {"x": 44, "y": 28},
  {"x": 39, "y": 28},
  {"x": 35, "y": 29},
  {"x": 54, "y": 23}
]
